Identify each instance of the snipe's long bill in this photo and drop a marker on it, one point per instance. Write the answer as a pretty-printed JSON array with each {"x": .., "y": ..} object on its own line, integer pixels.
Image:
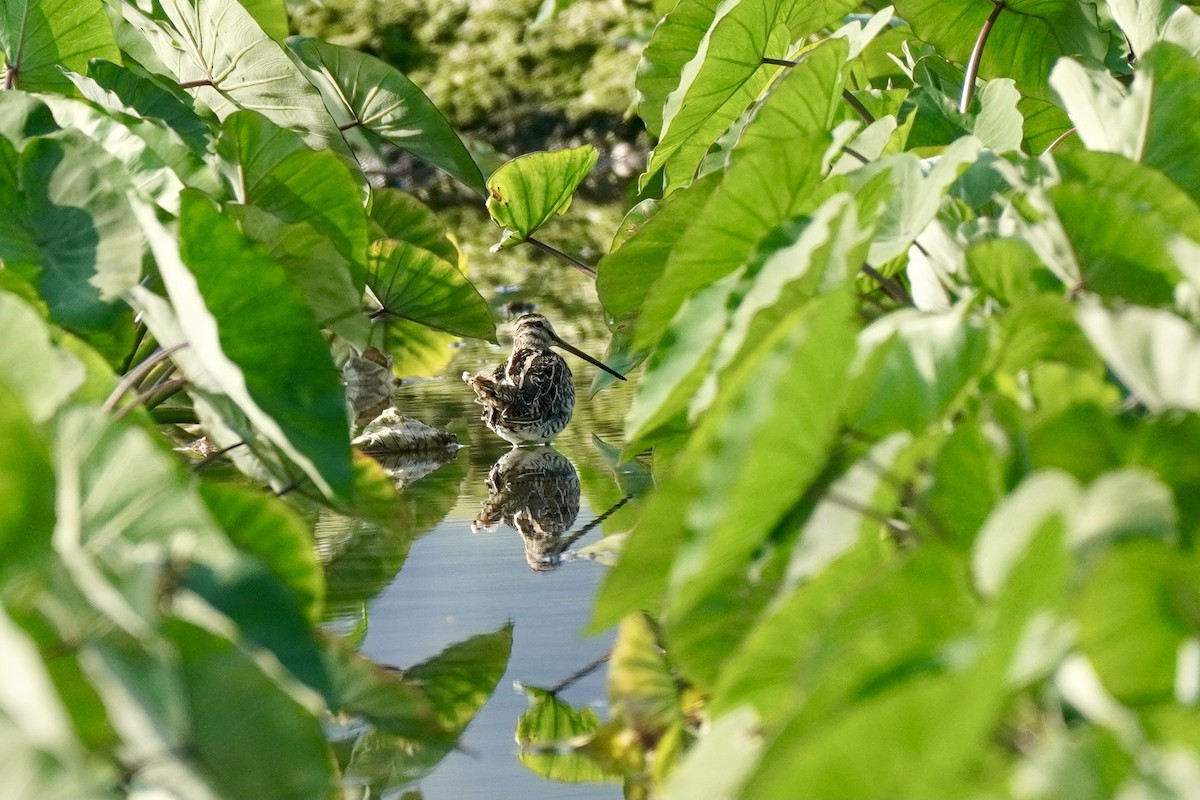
[{"x": 530, "y": 397}]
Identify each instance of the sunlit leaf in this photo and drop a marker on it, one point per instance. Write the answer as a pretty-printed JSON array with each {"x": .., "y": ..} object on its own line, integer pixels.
[
  {"x": 264, "y": 526},
  {"x": 1140, "y": 604},
  {"x": 362, "y": 91},
  {"x": 721, "y": 761},
  {"x": 38, "y": 36},
  {"x": 271, "y": 16},
  {"x": 545, "y": 728},
  {"x": 625, "y": 275},
  {"x": 1148, "y": 21},
  {"x": 30, "y": 365},
  {"x": 461, "y": 678},
  {"x": 271, "y": 362},
  {"x": 305, "y": 208},
  {"x": 641, "y": 688},
  {"x": 88, "y": 247},
  {"x": 759, "y": 192},
  {"x": 911, "y": 367},
  {"x": 674, "y": 43},
  {"x": 219, "y": 51},
  {"x": 727, "y": 60},
  {"x": 27, "y": 521},
  {"x": 529, "y": 190},
  {"x": 398, "y": 215},
  {"x": 1026, "y": 40},
  {"x": 148, "y": 99},
  {"x": 1151, "y": 122},
  {"x": 1156, "y": 354},
  {"x": 414, "y": 283}
]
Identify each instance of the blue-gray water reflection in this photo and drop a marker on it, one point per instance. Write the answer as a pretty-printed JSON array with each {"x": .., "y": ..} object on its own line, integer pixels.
[{"x": 461, "y": 578}]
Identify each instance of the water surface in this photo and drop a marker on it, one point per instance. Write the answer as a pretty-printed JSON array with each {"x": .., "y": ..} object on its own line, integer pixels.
[{"x": 456, "y": 583}]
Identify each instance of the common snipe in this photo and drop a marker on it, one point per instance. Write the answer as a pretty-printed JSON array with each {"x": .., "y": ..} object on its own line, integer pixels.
[{"x": 530, "y": 397}]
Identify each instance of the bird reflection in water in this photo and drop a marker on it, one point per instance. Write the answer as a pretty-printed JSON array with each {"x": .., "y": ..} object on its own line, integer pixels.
[{"x": 536, "y": 491}]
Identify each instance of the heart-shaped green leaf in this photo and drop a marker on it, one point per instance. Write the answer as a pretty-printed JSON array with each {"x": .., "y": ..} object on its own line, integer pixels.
[{"x": 531, "y": 189}]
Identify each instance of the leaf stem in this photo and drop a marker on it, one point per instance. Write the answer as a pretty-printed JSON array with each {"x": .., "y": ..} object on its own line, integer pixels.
[
  {"x": 132, "y": 379},
  {"x": 1059, "y": 140},
  {"x": 968, "y": 92},
  {"x": 891, "y": 287},
  {"x": 167, "y": 388},
  {"x": 581, "y": 673},
  {"x": 779, "y": 62},
  {"x": 10, "y": 76},
  {"x": 554, "y": 251},
  {"x": 197, "y": 84},
  {"x": 861, "y": 110},
  {"x": 354, "y": 123}
]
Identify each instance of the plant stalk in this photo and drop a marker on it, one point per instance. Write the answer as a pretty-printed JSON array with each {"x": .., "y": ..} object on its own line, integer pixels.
[
  {"x": 132, "y": 379},
  {"x": 968, "y": 92},
  {"x": 554, "y": 251},
  {"x": 10, "y": 76},
  {"x": 892, "y": 288},
  {"x": 196, "y": 84},
  {"x": 1059, "y": 140}
]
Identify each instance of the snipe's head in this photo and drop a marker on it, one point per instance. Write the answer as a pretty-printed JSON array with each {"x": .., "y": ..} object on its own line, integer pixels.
[{"x": 534, "y": 330}]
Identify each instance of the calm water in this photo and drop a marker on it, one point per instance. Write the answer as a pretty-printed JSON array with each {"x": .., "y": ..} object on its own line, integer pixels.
[{"x": 456, "y": 583}]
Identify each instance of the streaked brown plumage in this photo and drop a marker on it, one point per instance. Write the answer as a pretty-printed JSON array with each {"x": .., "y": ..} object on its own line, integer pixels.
[{"x": 530, "y": 397}]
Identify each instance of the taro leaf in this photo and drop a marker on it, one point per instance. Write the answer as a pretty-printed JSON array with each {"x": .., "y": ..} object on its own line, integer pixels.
[
  {"x": 761, "y": 189},
  {"x": 273, "y": 362},
  {"x": 625, "y": 275},
  {"x": 1044, "y": 125},
  {"x": 1026, "y": 40},
  {"x": 1156, "y": 354},
  {"x": 1120, "y": 245},
  {"x": 918, "y": 190},
  {"x": 767, "y": 433},
  {"x": 27, "y": 520},
  {"x": 231, "y": 702},
  {"x": 850, "y": 510},
  {"x": 413, "y": 283},
  {"x": 993, "y": 118},
  {"x": 217, "y": 49},
  {"x": 40, "y": 755},
  {"x": 417, "y": 350},
  {"x": 87, "y": 244},
  {"x": 305, "y": 208},
  {"x": 1007, "y": 269},
  {"x": 383, "y": 696},
  {"x": 39, "y": 36},
  {"x": 727, "y": 72},
  {"x": 265, "y": 611},
  {"x": 1139, "y": 606},
  {"x": 856, "y": 630},
  {"x": 40, "y": 374},
  {"x": 1112, "y": 173},
  {"x": 529, "y": 190},
  {"x": 271, "y": 16},
  {"x": 544, "y": 729},
  {"x": 805, "y": 99},
  {"x": 23, "y": 116},
  {"x": 264, "y": 526},
  {"x": 674, "y": 43},
  {"x": 1148, "y": 21},
  {"x": 1154, "y": 122},
  {"x": 461, "y": 678},
  {"x": 721, "y": 761},
  {"x": 362, "y": 91},
  {"x": 149, "y": 100},
  {"x": 152, "y": 157},
  {"x": 912, "y": 367},
  {"x": 641, "y": 687},
  {"x": 399, "y": 215}
]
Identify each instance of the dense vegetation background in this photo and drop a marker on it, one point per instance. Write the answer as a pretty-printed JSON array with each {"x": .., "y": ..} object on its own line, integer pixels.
[{"x": 915, "y": 292}]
